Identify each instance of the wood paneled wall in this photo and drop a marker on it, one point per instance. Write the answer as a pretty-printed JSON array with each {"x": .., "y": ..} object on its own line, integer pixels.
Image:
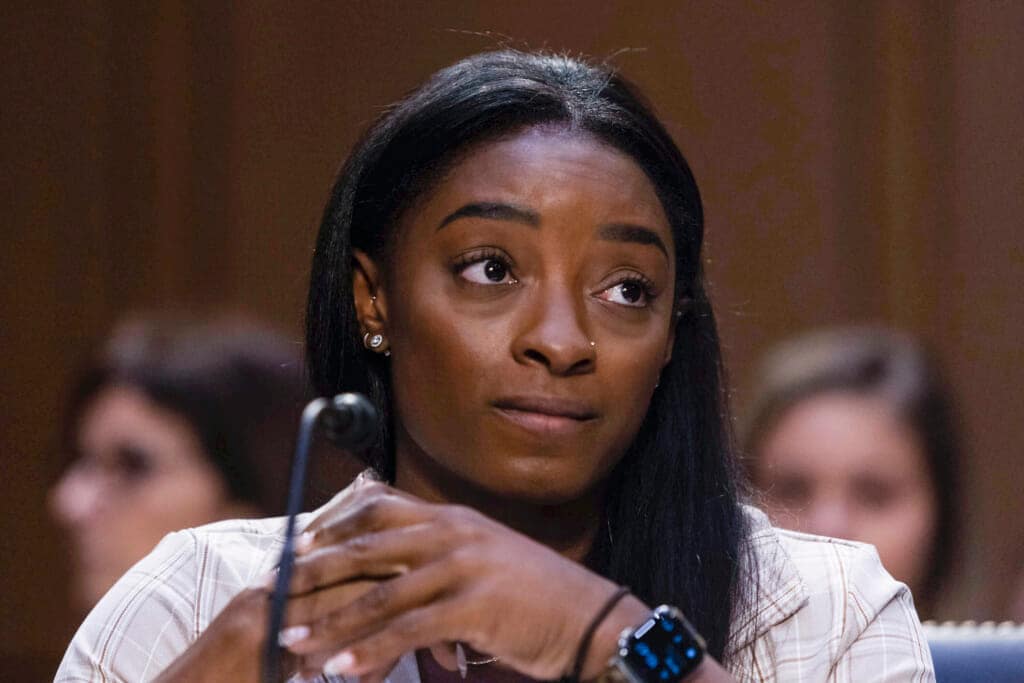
[{"x": 859, "y": 161}]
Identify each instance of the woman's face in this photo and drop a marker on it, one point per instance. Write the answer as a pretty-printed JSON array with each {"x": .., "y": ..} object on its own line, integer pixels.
[
  {"x": 841, "y": 464},
  {"x": 141, "y": 473},
  {"x": 528, "y": 304}
]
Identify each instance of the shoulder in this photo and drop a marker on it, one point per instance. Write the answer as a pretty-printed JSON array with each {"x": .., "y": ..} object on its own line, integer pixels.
[
  {"x": 162, "y": 604},
  {"x": 818, "y": 606}
]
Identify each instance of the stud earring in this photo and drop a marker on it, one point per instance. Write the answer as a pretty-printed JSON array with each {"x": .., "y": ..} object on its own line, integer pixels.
[{"x": 376, "y": 342}]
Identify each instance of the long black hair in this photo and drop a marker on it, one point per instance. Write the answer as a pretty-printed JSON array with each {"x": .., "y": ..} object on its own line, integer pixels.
[{"x": 675, "y": 527}]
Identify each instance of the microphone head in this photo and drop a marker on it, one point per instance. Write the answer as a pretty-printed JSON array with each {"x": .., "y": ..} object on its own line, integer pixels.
[{"x": 350, "y": 421}]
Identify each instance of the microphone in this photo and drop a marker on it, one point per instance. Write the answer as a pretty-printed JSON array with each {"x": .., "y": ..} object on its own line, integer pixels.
[{"x": 350, "y": 422}]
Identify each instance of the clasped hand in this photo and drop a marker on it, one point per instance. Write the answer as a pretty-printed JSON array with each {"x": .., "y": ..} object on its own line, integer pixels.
[{"x": 386, "y": 573}]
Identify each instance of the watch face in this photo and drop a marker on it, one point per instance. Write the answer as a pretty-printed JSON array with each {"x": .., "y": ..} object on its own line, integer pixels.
[{"x": 663, "y": 648}]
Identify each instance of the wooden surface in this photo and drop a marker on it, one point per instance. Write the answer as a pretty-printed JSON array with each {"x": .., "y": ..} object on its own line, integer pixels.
[{"x": 859, "y": 162}]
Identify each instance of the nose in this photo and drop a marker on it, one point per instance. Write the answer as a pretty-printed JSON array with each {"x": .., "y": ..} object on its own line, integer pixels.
[
  {"x": 554, "y": 333},
  {"x": 77, "y": 498},
  {"x": 830, "y": 518}
]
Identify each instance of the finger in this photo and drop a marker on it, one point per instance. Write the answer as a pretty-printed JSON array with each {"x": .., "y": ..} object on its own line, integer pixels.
[
  {"x": 444, "y": 654},
  {"x": 376, "y": 507},
  {"x": 378, "y": 675},
  {"x": 344, "y": 498},
  {"x": 378, "y": 608},
  {"x": 302, "y": 611},
  {"x": 372, "y": 555},
  {"x": 311, "y": 667},
  {"x": 411, "y": 631}
]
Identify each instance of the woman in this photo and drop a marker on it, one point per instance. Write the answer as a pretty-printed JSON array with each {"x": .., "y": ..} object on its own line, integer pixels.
[
  {"x": 852, "y": 434},
  {"x": 176, "y": 423},
  {"x": 509, "y": 266}
]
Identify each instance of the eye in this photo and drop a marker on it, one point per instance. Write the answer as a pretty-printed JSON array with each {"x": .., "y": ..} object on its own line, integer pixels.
[
  {"x": 132, "y": 462},
  {"x": 485, "y": 269},
  {"x": 791, "y": 492},
  {"x": 633, "y": 291},
  {"x": 874, "y": 494}
]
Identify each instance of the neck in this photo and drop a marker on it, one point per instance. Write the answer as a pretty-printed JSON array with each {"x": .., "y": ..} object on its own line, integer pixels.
[{"x": 567, "y": 527}]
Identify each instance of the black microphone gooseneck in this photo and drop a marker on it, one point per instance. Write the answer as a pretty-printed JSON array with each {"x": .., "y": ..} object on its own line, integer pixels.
[{"x": 350, "y": 422}]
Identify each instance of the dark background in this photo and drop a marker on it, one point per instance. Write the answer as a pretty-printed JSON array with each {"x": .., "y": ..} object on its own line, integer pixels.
[{"x": 859, "y": 161}]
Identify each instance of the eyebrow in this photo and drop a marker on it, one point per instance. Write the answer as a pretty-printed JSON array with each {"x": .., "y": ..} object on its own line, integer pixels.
[
  {"x": 629, "y": 232},
  {"x": 614, "y": 232},
  {"x": 494, "y": 211}
]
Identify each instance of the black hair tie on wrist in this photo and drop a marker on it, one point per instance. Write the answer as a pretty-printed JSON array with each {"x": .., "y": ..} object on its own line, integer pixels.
[{"x": 588, "y": 635}]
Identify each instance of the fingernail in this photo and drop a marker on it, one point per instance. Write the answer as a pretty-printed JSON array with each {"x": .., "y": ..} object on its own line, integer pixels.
[
  {"x": 291, "y": 635},
  {"x": 340, "y": 664},
  {"x": 368, "y": 476},
  {"x": 304, "y": 542}
]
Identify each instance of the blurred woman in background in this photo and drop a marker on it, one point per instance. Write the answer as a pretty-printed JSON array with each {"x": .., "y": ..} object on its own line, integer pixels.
[
  {"x": 175, "y": 424},
  {"x": 851, "y": 434}
]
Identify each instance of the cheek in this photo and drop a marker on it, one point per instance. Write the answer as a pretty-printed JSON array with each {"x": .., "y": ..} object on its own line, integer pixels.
[
  {"x": 441, "y": 364},
  {"x": 904, "y": 534},
  {"x": 136, "y": 515},
  {"x": 170, "y": 501},
  {"x": 632, "y": 369}
]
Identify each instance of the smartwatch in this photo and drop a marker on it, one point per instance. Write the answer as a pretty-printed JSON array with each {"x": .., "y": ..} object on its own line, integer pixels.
[{"x": 663, "y": 649}]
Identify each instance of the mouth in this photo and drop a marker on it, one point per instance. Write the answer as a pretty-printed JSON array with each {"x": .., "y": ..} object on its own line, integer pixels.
[{"x": 546, "y": 415}]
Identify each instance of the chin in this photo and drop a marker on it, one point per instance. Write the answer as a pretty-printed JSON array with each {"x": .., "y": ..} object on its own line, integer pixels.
[{"x": 538, "y": 480}]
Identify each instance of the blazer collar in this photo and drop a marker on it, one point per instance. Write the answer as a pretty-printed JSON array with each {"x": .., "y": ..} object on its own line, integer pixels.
[{"x": 775, "y": 589}]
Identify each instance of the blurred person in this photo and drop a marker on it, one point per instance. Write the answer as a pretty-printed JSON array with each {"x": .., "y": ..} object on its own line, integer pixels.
[
  {"x": 174, "y": 424},
  {"x": 851, "y": 434}
]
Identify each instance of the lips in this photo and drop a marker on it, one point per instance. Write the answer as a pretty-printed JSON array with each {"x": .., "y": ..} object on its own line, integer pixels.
[{"x": 545, "y": 414}]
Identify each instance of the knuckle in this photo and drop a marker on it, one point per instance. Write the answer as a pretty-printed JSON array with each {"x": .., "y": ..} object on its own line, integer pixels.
[
  {"x": 300, "y": 579},
  {"x": 358, "y": 553},
  {"x": 330, "y": 623},
  {"x": 464, "y": 521},
  {"x": 408, "y": 629},
  {"x": 306, "y": 577},
  {"x": 360, "y": 546},
  {"x": 320, "y": 537},
  {"x": 369, "y": 512},
  {"x": 464, "y": 561},
  {"x": 376, "y": 487},
  {"x": 377, "y": 599}
]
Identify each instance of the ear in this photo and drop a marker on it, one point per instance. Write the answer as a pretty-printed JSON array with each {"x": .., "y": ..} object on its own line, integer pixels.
[
  {"x": 670, "y": 344},
  {"x": 368, "y": 294}
]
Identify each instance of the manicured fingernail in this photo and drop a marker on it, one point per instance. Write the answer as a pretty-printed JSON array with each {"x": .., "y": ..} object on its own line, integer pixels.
[
  {"x": 291, "y": 635},
  {"x": 304, "y": 542},
  {"x": 340, "y": 664}
]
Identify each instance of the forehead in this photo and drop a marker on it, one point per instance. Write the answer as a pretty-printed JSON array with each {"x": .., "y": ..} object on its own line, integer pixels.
[
  {"x": 839, "y": 431},
  {"x": 119, "y": 411},
  {"x": 547, "y": 169}
]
